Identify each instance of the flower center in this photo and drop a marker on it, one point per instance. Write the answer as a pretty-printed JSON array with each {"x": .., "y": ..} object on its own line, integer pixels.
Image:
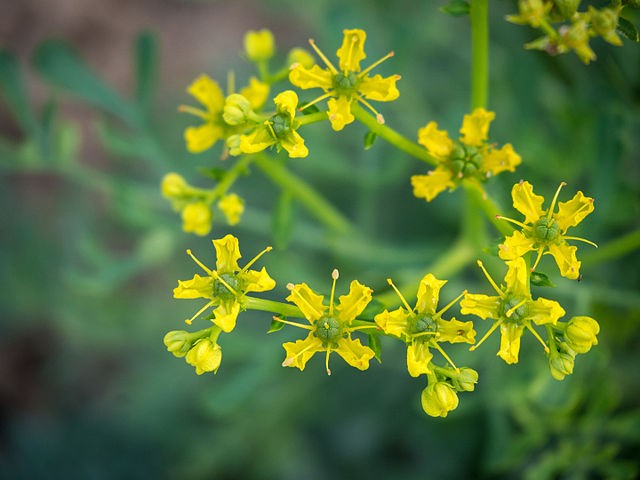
[
  {"x": 423, "y": 323},
  {"x": 546, "y": 229},
  {"x": 221, "y": 291},
  {"x": 328, "y": 329},
  {"x": 519, "y": 313},
  {"x": 465, "y": 161},
  {"x": 281, "y": 124},
  {"x": 345, "y": 84}
]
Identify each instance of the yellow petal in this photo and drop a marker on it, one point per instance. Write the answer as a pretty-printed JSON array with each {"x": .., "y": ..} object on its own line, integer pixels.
[
  {"x": 515, "y": 246},
  {"x": 430, "y": 185},
  {"x": 352, "y": 304},
  {"x": 203, "y": 137},
  {"x": 517, "y": 278},
  {"x": 428, "y": 294},
  {"x": 496, "y": 161},
  {"x": 379, "y": 88},
  {"x": 257, "y": 281},
  {"x": 307, "y": 301},
  {"x": 510, "y": 335},
  {"x": 526, "y": 202},
  {"x": 197, "y": 287},
  {"x": 227, "y": 254},
  {"x": 294, "y": 145},
  {"x": 299, "y": 353},
  {"x": 475, "y": 127},
  {"x": 226, "y": 314},
  {"x": 205, "y": 356},
  {"x": 393, "y": 323},
  {"x": 483, "y": 306},
  {"x": 354, "y": 353},
  {"x": 571, "y": 213},
  {"x": 455, "y": 331},
  {"x": 437, "y": 142},
  {"x": 418, "y": 358},
  {"x": 314, "y": 77},
  {"x": 287, "y": 102},
  {"x": 565, "y": 257},
  {"x": 340, "y": 112},
  {"x": 352, "y": 50},
  {"x": 257, "y": 140},
  {"x": 543, "y": 311},
  {"x": 196, "y": 218},
  {"x": 208, "y": 93},
  {"x": 256, "y": 92},
  {"x": 232, "y": 206}
]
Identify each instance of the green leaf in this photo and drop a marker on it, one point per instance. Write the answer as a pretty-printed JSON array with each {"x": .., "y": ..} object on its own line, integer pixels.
[
  {"x": 372, "y": 309},
  {"x": 59, "y": 65},
  {"x": 146, "y": 64},
  {"x": 282, "y": 220},
  {"x": 308, "y": 110},
  {"x": 215, "y": 173},
  {"x": 275, "y": 325},
  {"x": 375, "y": 345},
  {"x": 456, "y": 8},
  {"x": 13, "y": 93},
  {"x": 628, "y": 29},
  {"x": 369, "y": 139},
  {"x": 540, "y": 279}
]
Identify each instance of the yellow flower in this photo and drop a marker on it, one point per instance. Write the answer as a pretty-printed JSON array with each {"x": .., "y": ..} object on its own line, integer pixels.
[
  {"x": 576, "y": 38},
  {"x": 279, "y": 130},
  {"x": 531, "y": 12},
  {"x": 232, "y": 206},
  {"x": 259, "y": 45},
  {"x": 470, "y": 157},
  {"x": 208, "y": 93},
  {"x": 545, "y": 231},
  {"x": 347, "y": 83},
  {"x": 422, "y": 327},
  {"x": 512, "y": 310},
  {"x": 196, "y": 218},
  {"x": 226, "y": 286},
  {"x": 329, "y": 331},
  {"x": 205, "y": 356}
]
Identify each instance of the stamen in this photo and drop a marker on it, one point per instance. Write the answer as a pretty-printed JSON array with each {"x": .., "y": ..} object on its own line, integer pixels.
[
  {"x": 254, "y": 259},
  {"x": 375, "y": 64},
  {"x": 313, "y": 102},
  {"x": 515, "y": 307},
  {"x": 335, "y": 275},
  {"x": 486, "y": 335},
  {"x": 555, "y": 198},
  {"x": 579, "y": 239},
  {"x": 215, "y": 275},
  {"x": 326, "y": 362},
  {"x": 404, "y": 301},
  {"x": 231, "y": 82},
  {"x": 493, "y": 284},
  {"x": 193, "y": 111},
  {"x": 271, "y": 130},
  {"x": 323, "y": 57},
  {"x": 451, "y": 304},
  {"x": 202, "y": 266},
  {"x": 363, "y": 327},
  {"x": 535, "y": 334},
  {"x": 354, "y": 40},
  {"x": 295, "y": 324},
  {"x": 444, "y": 354},
  {"x": 535, "y": 264},
  {"x": 189, "y": 321},
  {"x": 510, "y": 220},
  {"x": 379, "y": 117}
]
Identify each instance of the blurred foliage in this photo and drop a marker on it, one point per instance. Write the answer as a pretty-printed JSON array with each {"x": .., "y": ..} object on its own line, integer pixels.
[{"x": 90, "y": 252}]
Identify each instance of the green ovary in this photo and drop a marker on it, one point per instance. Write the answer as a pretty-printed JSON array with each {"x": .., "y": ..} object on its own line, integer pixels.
[
  {"x": 221, "y": 291},
  {"x": 328, "y": 329},
  {"x": 345, "y": 84},
  {"x": 519, "y": 313},
  {"x": 281, "y": 124},
  {"x": 546, "y": 230},
  {"x": 423, "y": 323}
]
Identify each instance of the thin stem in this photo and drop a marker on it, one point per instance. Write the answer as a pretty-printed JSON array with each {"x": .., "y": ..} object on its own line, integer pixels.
[
  {"x": 312, "y": 117},
  {"x": 614, "y": 249},
  {"x": 487, "y": 205},
  {"x": 479, "y": 53},
  {"x": 264, "y": 305},
  {"x": 230, "y": 177}
]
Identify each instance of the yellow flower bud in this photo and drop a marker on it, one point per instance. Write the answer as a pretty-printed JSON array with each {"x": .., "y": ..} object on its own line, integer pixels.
[
  {"x": 233, "y": 144},
  {"x": 232, "y": 206},
  {"x": 173, "y": 185},
  {"x": 567, "y": 8},
  {"x": 581, "y": 333},
  {"x": 259, "y": 45},
  {"x": 178, "y": 342},
  {"x": 205, "y": 356},
  {"x": 300, "y": 56},
  {"x": 604, "y": 22},
  {"x": 561, "y": 365},
  {"x": 237, "y": 109},
  {"x": 196, "y": 218},
  {"x": 466, "y": 380},
  {"x": 438, "y": 399}
]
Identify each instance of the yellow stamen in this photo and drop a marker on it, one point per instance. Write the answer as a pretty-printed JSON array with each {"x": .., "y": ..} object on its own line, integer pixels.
[
  {"x": 271, "y": 130},
  {"x": 193, "y": 111},
  {"x": 254, "y": 259},
  {"x": 451, "y": 304},
  {"x": 313, "y": 102},
  {"x": 375, "y": 64},
  {"x": 379, "y": 117},
  {"x": 444, "y": 354},
  {"x": 535, "y": 264},
  {"x": 363, "y": 327},
  {"x": 189, "y": 321},
  {"x": 510, "y": 220},
  {"x": 215, "y": 275},
  {"x": 335, "y": 275},
  {"x": 202, "y": 266},
  {"x": 515, "y": 307},
  {"x": 326, "y": 362},
  {"x": 555, "y": 198},
  {"x": 354, "y": 40},
  {"x": 486, "y": 335},
  {"x": 535, "y": 334},
  {"x": 295, "y": 324},
  {"x": 579, "y": 239},
  {"x": 323, "y": 57},
  {"x": 493, "y": 284},
  {"x": 404, "y": 301}
]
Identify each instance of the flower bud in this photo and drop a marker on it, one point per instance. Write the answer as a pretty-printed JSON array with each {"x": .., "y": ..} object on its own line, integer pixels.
[
  {"x": 438, "y": 399},
  {"x": 233, "y": 144},
  {"x": 466, "y": 380},
  {"x": 259, "y": 45},
  {"x": 561, "y": 364},
  {"x": 581, "y": 333},
  {"x": 604, "y": 23},
  {"x": 173, "y": 185},
  {"x": 196, "y": 218},
  {"x": 576, "y": 38},
  {"x": 566, "y": 8},
  {"x": 301, "y": 57},
  {"x": 237, "y": 109},
  {"x": 178, "y": 342},
  {"x": 232, "y": 206},
  {"x": 205, "y": 356}
]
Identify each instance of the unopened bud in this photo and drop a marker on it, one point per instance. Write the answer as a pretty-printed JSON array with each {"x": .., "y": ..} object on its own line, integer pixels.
[
  {"x": 259, "y": 45},
  {"x": 237, "y": 109},
  {"x": 566, "y": 8},
  {"x": 466, "y": 380},
  {"x": 561, "y": 365},
  {"x": 438, "y": 399},
  {"x": 178, "y": 342},
  {"x": 205, "y": 356},
  {"x": 173, "y": 185},
  {"x": 196, "y": 218},
  {"x": 581, "y": 333},
  {"x": 301, "y": 57}
]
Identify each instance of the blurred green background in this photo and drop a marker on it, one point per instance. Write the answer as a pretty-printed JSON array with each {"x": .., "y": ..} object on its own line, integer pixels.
[{"x": 90, "y": 252}]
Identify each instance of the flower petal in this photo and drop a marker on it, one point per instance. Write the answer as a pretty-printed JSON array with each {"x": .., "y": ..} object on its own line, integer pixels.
[
  {"x": 294, "y": 145},
  {"x": 517, "y": 278},
  {"x": 227, "y": 254},
  {"x": 526, "y": 202},
  {"x": 352, "y": 304},
  {"x": 287, "y": 102},
  {"x": 428, "y": 294},
  {"x": 232, "y": 206},
  {"x": 307, "y": 301},
  {"x": 483, "y": 306},
  {"x": 418, "y": 358},
  {"x": 196, "y": 218},
  {"x": 352, "y": 50},
  {"x": 543, "y": 311},
  {"x": 314, "y": 77},
  {"x": 430, "y": 185},
  {"x": 257, "y": 140},
  {"x": 455, "y": 331},
  {"x": 437, "y": 142},
  {"x": 475, "y": 127},
  {"x": 393, "y": 323},
  {"x": 565, "y": 257},
  {"x": 203, "y": 137},
  {"x": 226, "y": 314},
  {"x": 299, "y": 353},
  {"x": 515, "y": 246},
  {"x": 510, "y": 335},
  {"x": 208, "y": 93},
  {"x": 571, "y": 213},
  {"x": 496, "y": 161},
  {"x": 197, "y": 287},
  {"x": 256, "y": 92},
  {"x": 379, "y": 88},
  {"x": 354, "y": 353},
  {"x": 340, "y": 112},
  {"x": 257, "y": 281}
]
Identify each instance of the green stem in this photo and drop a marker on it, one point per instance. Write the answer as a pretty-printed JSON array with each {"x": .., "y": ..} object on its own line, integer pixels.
[
  {"x": 614, "y": 249},
  {"x": 391, "y": 136},
  {"x": 479, "y": 53},
  {"x": 490, "y": 209},
  {"x": 305, "y": 194},
  {"x": 312, "y": 118},
  {"x": 280, "y": 308},
  {"x": 230, "y": 177}
]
